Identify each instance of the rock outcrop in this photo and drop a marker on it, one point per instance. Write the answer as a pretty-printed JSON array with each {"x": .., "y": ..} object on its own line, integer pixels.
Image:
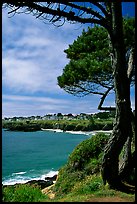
[{"x": 41, "y": 183}]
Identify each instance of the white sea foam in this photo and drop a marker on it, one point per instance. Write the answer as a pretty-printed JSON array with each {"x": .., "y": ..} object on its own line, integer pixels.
[
  {"x": 80, "y": 132},
  {"x": 52, "y": 173},
  {"x": 12, "y": 181},
  {"x": 19, "y": 173},
  {"x": 90, "y": 132},
  {"x": 71, "y": 132},
  {"x": 19, "y": 177}
]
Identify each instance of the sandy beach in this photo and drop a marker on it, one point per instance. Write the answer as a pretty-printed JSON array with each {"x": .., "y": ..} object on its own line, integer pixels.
[{"x": 79, "y": 132}]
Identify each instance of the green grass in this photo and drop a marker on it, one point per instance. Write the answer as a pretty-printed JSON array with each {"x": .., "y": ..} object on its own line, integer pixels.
[
  {"x": 90, "y": 188},
  {"x": 22, "y": 193}
]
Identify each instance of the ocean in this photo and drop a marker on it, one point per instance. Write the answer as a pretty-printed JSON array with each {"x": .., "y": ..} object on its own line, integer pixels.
[{"x": 35, "y": 155}]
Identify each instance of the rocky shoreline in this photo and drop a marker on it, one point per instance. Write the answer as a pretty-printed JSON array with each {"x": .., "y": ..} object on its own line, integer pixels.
[{"x": 48, "y": 181}]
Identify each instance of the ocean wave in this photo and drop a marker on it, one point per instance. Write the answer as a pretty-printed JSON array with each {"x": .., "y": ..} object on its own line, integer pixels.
[
  {"x": 51, "y": 173},
  {"x": 19, "y": 173},
  {"x": 19, "y": 177},
  {"x": 12, "y": 181}
]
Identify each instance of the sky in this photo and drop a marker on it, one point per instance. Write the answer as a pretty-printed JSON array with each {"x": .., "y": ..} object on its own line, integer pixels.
[{"x": 32, "y": 59}]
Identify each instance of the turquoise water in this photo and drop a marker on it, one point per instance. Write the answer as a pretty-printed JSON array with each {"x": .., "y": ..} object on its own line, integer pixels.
[{"x": 34, "y": 155}]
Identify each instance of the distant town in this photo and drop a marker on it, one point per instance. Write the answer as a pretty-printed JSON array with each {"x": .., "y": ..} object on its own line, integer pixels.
[{"x": 60, "y": 116}]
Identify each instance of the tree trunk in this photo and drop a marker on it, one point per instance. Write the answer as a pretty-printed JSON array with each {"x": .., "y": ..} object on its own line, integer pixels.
[
  {"x": 122, "y": 126},
  {"x": 127, "y": 173},
  {"x": 128, "y": 165}
]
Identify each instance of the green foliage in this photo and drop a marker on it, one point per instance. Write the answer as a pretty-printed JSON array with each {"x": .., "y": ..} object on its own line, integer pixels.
[
  {"x": 66, "y": 125},
  {"x": 90, "y": 148},
  {"x": 90, "y": 69},
  {"x": 8, "y": 193},
  {"x": 89, "y": 185},
  {"x": 103, "y": 115},
  {"x": 46, "y": 124},
  {"x": 88, "y": 54},
  {"x": 88, "y": 42},
  {"x": 66, "y": 180},
  {"x": 69, "y": 127},
  {"x": 22, "y": 193},
  {"x": 22, "y": 126},
  {"x": 94, "y": 165},
  {"x": 90, "y": 189},
  {"x": 129, "y": 32},
  {"x": 84, "y": 160}
]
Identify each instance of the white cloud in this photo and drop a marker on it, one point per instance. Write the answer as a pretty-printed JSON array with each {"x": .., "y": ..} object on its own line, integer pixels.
[
  {"x": 24, "y": 105},
  {"x": 18, "y": 105},
  {"x": 21, "y": 75},
  {"x": 33, "y": 54},
  {"x": 32, "y": 98}
]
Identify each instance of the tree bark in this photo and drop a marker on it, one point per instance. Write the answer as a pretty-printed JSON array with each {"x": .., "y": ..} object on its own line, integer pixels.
[
  {"x": 122, "y": 127},
  {"x": 128, "y": 164}
]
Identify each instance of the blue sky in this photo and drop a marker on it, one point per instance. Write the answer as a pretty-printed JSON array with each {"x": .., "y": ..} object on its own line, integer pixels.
[{"x": 32, "y": 59}]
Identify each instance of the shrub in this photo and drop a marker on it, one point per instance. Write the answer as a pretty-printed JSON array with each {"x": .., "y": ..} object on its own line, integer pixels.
[
  {"x": 47, "y": 125},
  {"x": 88, "y": 186},
  {"x": 22, "y": 193},
  {"x": 79, "y": 127},
  {"x": 90, "y": 148},
  {"x": 69, "y": 127},
  {"x": 83, "y": 161}
]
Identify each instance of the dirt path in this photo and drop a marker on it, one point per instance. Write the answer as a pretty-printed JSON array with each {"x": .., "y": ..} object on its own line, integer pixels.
[
  {"x": 110, "y": 199},
  {"x": 51, "y": 195}
]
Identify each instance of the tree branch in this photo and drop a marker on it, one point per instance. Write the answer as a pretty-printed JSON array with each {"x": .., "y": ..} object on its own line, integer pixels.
[
  {"x": 70, "y": 16},
  {"x": 79, "y": 89},
  {"x": 101, "y": 8},
  {"x": 87, "y": 10},
  {"x": 103, "y": 98}
]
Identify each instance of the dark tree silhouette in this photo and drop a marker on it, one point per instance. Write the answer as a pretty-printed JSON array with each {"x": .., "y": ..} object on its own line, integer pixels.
[
  {"x": 89, "y": 70},
  {"x": 108, "y": 15}
]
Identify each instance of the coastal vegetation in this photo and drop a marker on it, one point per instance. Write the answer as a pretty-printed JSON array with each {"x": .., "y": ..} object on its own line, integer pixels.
[
  {"x": 99, "y": 121},
  {"x": 22, "y": 193},
  {"x": 78, "y": 180},
  {"x": 21, "y": 126},
  {"x": 89, "y": 190},
  {"x": 84, "y": 161}
]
